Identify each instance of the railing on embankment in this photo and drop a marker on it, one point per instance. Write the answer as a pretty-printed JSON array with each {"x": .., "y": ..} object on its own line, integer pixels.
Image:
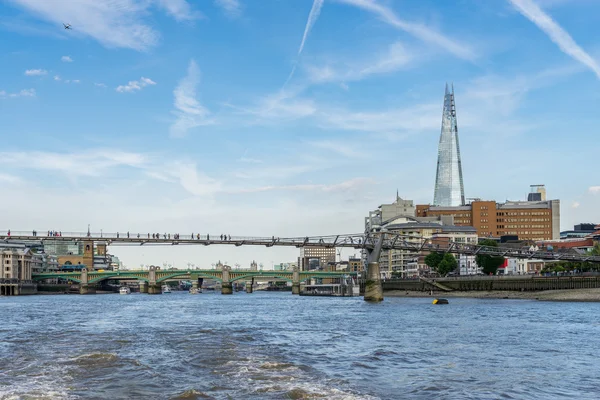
[{"x": 532, "y": 283}]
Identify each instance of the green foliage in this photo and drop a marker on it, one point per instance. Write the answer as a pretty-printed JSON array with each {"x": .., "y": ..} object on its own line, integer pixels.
[
  {"x": 447, "y": 265},
  {"x": 489, "y": 264},
  {"x": 595, "y": 251},
  {"x": 396, "y": 274},
  {"x": 433, "y": 260}
]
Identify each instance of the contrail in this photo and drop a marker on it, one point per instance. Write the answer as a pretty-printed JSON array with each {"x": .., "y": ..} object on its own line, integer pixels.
[{"x": 312, "y": 18}]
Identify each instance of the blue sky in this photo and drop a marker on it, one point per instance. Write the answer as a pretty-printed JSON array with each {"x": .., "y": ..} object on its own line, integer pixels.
[{"x": 286, "y": 118}]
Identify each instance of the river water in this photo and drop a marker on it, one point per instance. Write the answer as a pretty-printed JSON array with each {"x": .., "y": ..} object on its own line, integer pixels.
[{"x": 279, "y": 346}]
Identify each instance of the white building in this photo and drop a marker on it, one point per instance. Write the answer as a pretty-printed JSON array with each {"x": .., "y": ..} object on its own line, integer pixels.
[{"x": 466, "y": 235}]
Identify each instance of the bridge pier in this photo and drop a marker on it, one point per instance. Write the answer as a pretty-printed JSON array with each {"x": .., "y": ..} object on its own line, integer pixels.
[
  {"x": 373, "y": 287},
  {"x": 195, "y": 285},
  {"x": 296, "y": 280},
  {"x": 227, "y": 288},
  {"x": 85, "y": 288},
  {"x": 143, "y": 286},
  {"x": 226, "y": 285},
  {"x": 249, "y": 286},
  {"x": 154, "y": 288}
]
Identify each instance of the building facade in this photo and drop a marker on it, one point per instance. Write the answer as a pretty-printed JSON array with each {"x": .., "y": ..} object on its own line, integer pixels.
[
  {"x": 15, "y": 272},
  {"x": 315, "y": 257},
  {"x": 386, "y": 212},
  {"x": 461, "y": 235},
  {"x": 449, "y": 190},
  {"x": 529, "y": 220}
]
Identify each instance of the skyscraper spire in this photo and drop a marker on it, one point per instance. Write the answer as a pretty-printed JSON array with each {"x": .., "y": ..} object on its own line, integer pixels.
[{"x": 449, "y": 190}]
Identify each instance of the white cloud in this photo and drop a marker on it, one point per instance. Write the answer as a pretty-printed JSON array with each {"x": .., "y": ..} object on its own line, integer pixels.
[
  {"x": 232, "y": 8},
  {"x": 343, "y": 148},
  {"x": 96, "y": 162},
  {"x": 422, "y": 32},
  {"x": 114, "y": 23},
  {"x": 423, "y": 117},
  {"x": 56, "y": 78},
  {"x": 98, "y": 84},
  {"x": 21, "y": 93},
  {"x": 190, "y": 113},
  {"x": 179, "y": 9},
  {"x": 575, "y": 204},
  {"x": 66, "y": 59},
  {"x": 557, "y": 34},
  {"x": 196, "y": 183},
  {"x": 250, "y": 160},
  {"x": 345, "y": 186},
  {"x": 135, "y": 85},
  {"x": 36, "y": 72},
  {"x": 395, "y": 58},
  {"x": 6, "y": 178},
  {"x": 594, "y": 189},
  {"x": 281, "y": 106}
]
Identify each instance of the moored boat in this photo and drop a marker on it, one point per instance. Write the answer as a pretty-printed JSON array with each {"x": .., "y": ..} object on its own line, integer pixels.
[
  {"x": 124, "y": 290},
  {"x": 166, "y": 289}
]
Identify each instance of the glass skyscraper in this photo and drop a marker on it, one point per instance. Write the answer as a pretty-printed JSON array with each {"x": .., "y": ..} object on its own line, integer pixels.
[{"x": 449, "y": 190}]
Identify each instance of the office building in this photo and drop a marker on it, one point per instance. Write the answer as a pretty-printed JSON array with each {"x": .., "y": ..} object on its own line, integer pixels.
[
  {"x": 315, "y": 257},
  {"x": 529, "y": 220},
  {"x": 449, "y": 190}
]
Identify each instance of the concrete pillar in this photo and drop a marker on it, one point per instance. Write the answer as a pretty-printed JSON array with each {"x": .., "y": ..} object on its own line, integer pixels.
[
  {"x": 154, "y": 288},
  {"x": 296, "y": 281},
  {"x": 226, "y": 286},
  {"x": 249, "y": 286},
  {"x": 143, "y": 287},
  {"x": 373, "y": 287},
  {"x": 85, "y": 288}
]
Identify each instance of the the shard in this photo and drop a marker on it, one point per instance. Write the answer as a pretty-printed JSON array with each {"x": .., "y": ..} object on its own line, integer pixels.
[{"x": 449, "y": 190}]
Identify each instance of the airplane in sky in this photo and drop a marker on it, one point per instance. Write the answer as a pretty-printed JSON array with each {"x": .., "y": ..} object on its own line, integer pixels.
[{"x": 67, "y": 26}]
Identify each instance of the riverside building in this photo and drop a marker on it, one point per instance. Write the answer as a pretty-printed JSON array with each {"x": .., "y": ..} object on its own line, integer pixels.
[{"x": 529, "y": 220}]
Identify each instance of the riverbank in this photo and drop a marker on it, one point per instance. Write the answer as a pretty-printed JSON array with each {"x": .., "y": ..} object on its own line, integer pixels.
[{"x": 592, "y": 295}]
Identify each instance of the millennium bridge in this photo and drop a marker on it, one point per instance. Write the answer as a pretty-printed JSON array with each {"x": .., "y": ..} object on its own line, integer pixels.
[{"x": 370, "y": 243}]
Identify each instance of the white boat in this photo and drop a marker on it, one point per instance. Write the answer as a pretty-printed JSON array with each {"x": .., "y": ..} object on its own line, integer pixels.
[
  {"x": 166, "y": 289},
  {"x": 124, "y": 290},
  {"x": 194, "y": 291}
]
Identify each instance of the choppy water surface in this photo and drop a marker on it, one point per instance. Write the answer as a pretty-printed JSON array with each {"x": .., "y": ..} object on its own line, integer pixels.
[{"x": 277, "y": 346}]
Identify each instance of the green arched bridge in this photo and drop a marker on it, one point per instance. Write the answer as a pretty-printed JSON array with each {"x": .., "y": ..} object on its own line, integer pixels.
[{"x": 154, "y": 277}]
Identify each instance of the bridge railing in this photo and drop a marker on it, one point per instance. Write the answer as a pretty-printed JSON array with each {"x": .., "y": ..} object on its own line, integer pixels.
[{"x": 358, "y": 241}]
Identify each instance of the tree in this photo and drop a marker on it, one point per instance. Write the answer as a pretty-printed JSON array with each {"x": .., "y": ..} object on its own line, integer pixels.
[
  {"x": 433, "y": 260},
  {"x": 447, "y": 265},
  {"x": 489, "y": 264},
  {"x": 595, "y": 251}
]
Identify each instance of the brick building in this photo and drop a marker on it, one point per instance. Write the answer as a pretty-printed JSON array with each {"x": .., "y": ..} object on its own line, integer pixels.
[{"x": 529, "y": 220}]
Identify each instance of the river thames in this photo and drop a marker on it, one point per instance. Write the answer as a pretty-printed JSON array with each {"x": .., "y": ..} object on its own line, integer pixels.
[{"x": 278, "y": 346}]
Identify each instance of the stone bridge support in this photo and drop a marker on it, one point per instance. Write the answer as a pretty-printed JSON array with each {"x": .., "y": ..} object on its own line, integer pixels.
[
  {"x": 153, "y": 286},
  {"x": 250, "y": 286},
  {"x": 296, "y": 280},
  {"x": 196, "y": 282},
  {"x": 84, "y": 286},
  {"x": 226, "y": 285},
  {"x": 143, "y": 286},
  {"x": 373, "y": 286}
]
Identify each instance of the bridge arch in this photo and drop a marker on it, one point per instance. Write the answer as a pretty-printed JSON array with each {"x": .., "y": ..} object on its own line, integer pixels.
[
  {"x": 115, "y": 277},
  {"x": 188, "y": 275},
  {"x": 56, "y": 276},
  {"x": 263, "y": 275}
]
